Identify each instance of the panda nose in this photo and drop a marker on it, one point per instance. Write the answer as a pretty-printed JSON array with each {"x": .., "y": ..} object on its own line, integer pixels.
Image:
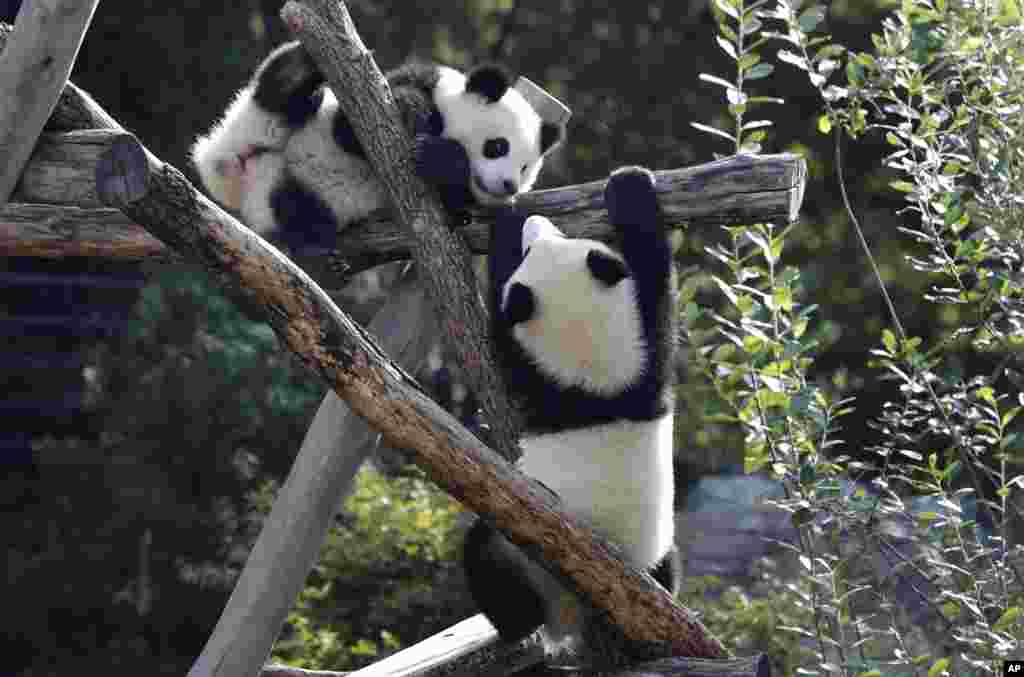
[
  {"x": 511, "y": 187},
  {"x": 519, "y": 305}
]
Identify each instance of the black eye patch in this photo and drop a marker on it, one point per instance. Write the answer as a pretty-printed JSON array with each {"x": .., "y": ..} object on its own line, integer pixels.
[
  {"x": 496, "y": 148},
  {"x": 519, "y": 305},
  {"x": 606, "y": 268}
]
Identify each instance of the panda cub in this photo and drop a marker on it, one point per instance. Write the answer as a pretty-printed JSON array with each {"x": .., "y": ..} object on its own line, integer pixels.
[
  {"x": 584, "y": 337},
  {"x": 284, "y": 145}
]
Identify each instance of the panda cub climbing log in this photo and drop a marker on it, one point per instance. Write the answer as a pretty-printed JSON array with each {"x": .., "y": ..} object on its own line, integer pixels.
[
  {"x": 284, "y": 146},
  {"x": 584, "y": 337}
]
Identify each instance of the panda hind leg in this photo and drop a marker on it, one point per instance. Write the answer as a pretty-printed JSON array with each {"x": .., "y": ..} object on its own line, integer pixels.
[
  {"x": 304, "y": 222},
  {"x": 499, "y": 584},
  {"x": 669, "y": 571}
]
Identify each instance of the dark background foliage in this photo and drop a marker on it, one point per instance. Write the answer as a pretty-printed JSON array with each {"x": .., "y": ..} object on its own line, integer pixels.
[{"x": 126, "y": 520}]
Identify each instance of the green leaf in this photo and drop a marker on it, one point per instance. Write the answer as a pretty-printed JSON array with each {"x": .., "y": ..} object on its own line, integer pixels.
[
  {"x": 938, "y": 667},
  {"x": 715, "y": 80},
  {"x": 810, "y": 18},
  {"x": 782, "y": 297},
  {"x": 748, "y": 60},
  {"x": 728, "y": 8},
  {"x": 889, "y": 340},
  {"x": 824, "y": 124},
  {"x": 902, "y": 186},
  {"x": 793, "y": 58},
  {"x": 855, "y": 73},
  {"x": 761, "y": 70},
  {"x": 1008, "y": 618},
  {"x": 712, "y": 130},
  {"x": 1009, "y": 13},
  {"x": 726, "y": 46}
]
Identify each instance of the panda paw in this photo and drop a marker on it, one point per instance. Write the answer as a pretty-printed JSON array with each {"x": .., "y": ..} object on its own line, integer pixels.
[
  {"x": 442, "y": 162},
  {"x": 289, "y": 82},
  {"x": 630, "y": 197}
]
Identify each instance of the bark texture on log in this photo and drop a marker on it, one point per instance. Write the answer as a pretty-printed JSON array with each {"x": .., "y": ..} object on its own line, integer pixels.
[
  {"x": 744, "y": 188},
  {"x": 327, "y": 32},
  {"x": 342, "y": 353},
  {"x": 288, "y": 545}
]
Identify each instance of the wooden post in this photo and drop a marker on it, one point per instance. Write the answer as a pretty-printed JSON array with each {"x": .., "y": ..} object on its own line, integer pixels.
[{"x": 34, "y": 66}]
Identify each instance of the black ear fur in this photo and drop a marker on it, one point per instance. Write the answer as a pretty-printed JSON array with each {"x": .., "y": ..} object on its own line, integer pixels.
[
  {"x": 606, "y": 268},
  {"x": 490, "y": 81},
  {"x": 550, "y": 135}
]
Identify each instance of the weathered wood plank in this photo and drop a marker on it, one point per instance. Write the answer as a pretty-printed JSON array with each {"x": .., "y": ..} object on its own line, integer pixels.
[
  {"x": 738, "y": 189},
  {"x": 34, "y": 66},
  {"x": 458, "y": 650}
]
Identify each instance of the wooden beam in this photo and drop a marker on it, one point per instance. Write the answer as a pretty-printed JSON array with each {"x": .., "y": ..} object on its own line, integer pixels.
[
  {"x": 471, "y": 647},
  {"x": 743, "y": 189},
  {"x": 289, "y": 543},
  {"x": 34, "y": 66},
  {"x": 341, "y": 352}
]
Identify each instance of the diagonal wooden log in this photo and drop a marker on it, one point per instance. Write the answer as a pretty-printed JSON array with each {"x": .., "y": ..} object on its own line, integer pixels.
[
  {"x": 288, "y": 545},
  {"x": 34, "y": 66},
  {"x": 743, "y": 189},
  {"x": 442, "y": 258},
  {"x": 341, "y": 352}
]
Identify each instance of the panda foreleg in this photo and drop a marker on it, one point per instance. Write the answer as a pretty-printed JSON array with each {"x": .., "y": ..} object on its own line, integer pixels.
[
  {"x": 634, "y": 212},
  {"x": 500, "y": 585},
  {"x": 444, "y": 164}
]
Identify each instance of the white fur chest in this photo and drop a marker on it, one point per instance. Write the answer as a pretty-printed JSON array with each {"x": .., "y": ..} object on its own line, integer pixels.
[{"x": 618, "y": 476}]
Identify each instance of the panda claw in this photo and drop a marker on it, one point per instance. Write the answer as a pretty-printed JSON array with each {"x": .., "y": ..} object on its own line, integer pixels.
[{"x": 441, "y": 161}]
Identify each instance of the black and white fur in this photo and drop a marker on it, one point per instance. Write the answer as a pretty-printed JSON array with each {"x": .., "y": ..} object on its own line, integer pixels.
[
  {"x": 584, "y": 336},
  {"x": 284, "y": 145}
]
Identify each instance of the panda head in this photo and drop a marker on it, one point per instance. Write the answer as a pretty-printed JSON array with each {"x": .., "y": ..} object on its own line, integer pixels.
[
  {"x": 505, "y": 138},
  {"x": 571, "y": 306}
]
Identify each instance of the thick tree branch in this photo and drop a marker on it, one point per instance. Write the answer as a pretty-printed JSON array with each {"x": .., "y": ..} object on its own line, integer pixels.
[
  {"x": 342, "y": 353},
  {"x": 326, "y": 30},
  {"x": 34, "y": 66},
  {"x": 745, "y": 189}
]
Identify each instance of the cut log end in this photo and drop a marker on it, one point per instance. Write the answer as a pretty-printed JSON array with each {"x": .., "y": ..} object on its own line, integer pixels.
[{"x": 122, "y": 171}]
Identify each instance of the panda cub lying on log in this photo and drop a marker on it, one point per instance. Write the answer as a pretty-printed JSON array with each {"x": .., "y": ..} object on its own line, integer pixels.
[
  {"x": 284, "y": 146},
  {"x": 585, "y": 337}
]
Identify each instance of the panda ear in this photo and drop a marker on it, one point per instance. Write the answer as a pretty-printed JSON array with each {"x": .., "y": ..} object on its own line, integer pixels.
[
  {"x": 550, "y": 136},
  {"x": 490, "y": 81},
  {"x": 538, "y": 227},
  {"x": 606, "y": 268}
]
